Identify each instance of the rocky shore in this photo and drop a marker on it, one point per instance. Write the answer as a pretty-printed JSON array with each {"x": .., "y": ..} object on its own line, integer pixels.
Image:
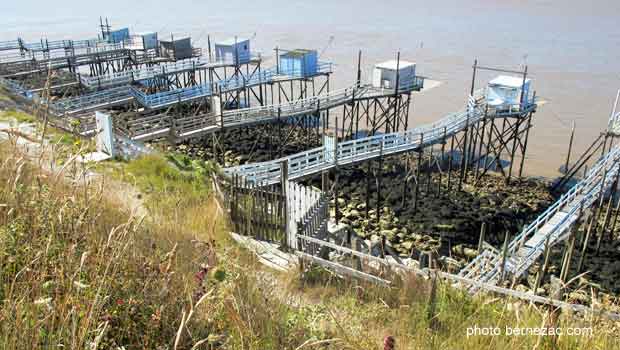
[
  {"x": 446, "y": 222},
  {"x": 249, "y": 145}
]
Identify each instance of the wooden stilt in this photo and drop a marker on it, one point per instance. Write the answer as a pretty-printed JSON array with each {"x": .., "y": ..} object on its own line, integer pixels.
[
  {"x": 542, "y": 270},
  {"x": 483, "y": 230},
  {"x": 504, "y": 258}
]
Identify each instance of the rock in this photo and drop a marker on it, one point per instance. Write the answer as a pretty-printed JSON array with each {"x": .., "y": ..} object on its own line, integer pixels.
[
  {"x": 470, "y": 253},
  {"x": 375, "y": 245},
  {"x": 407, "y": 245},
  {"x": 579, "y": 296},
  {"x": 385, "y": 224}
]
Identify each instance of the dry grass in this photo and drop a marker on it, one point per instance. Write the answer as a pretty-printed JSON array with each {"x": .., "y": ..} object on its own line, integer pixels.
[
  {"x": 364, "y": 314},
  {"x": 77, "y": 272}
]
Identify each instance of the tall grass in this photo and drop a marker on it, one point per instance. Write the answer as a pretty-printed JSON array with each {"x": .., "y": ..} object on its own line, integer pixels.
[
  {"x": 77, "y": 272},
  {"x": 364, "y": 314}
]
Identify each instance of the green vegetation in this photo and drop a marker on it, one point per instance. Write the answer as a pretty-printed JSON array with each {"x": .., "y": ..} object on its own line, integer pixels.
[{"x": 19, "y": 116}]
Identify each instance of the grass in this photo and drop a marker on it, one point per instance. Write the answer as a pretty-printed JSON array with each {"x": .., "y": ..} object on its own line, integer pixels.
[
  {"x": 77, "y": 270},
  {"x": 19, "y": 116},
  {"x": 364, "y": 314}
]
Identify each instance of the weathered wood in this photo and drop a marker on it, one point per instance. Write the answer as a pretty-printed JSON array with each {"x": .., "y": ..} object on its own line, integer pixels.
[
  {"x": 345, "y": 270},
  {"x": 504, "y": 257},
  {"x": 542, "y": 270},
  {"x": 483, "y": 230}
]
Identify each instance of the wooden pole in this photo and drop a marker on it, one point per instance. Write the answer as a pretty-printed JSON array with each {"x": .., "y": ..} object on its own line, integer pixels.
[
  {"x": 542, "y": 270},
  {"x": 483, "y": 230},
  {"x": 484, "y": 126},
  {"x": 585, "y": 241},
  {"x": 450, "y": 161},
  {"x": 429, "y": 170},
  {"x": 406, "y": 183},
  {"x": 514, "y": 146},
  {"x": 615, "y": 221},
  {"x": 504, "y": 257},
  {"x": 379, "y": 178},
  {"x": 443, "y": 155},
  {"x": 464, "y": 155},
  {"x": 568, "y": 255},
  {"x": 368, "y": 174},
  {"x": 527, "y": 136},
  {"x": 336, "y": 176},
  {"x": 601, "y": 232},
  {"x": 417, "y": 176},
  {"x": 570, "y": 147}
]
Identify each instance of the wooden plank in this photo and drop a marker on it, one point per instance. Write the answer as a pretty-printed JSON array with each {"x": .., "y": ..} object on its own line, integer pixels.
[{"x": 345, "y": 270}]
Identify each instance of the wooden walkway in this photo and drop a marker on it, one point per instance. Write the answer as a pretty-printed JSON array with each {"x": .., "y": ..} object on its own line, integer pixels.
[
  {"x": 320, "y": 159},
  {"x": 552, "y": 226}
]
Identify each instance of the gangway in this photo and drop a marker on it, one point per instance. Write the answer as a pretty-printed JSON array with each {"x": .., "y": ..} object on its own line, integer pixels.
[
  {"x": 269, "y": 76},
  {"x": 145, "y": 74},
  {"x": 90, "y": 102},
  {"x": 193, "y": 126},
  {"x": 358, "y": 150},
  {"x": 551, "y": 227},
  {"x": 135, "y": 75},
  {"x": 47, "y": 45}
]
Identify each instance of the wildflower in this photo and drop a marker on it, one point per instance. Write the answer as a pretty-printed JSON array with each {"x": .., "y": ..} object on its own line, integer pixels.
[
  {"x": 200, "y": 275},
  {"x": 80, "y": 285},
  {"x": 47, "y": 302},
  {"x": 389, "y": 343}
]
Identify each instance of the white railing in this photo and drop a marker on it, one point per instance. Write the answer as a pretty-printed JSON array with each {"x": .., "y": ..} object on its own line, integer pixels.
[
  {"x": 317, "y": 159},
  {"x": 605, "y": 170},
  {"x": 300, "y": 200},
  {"x": 96, "y": 99},
  {"x": 141, "y": 74}
]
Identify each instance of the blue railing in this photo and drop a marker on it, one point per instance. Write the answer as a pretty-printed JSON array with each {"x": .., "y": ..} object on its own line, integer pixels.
[
  {"x": 10, "y": 45},
  {"x": 16, "y": 88},
  {"x": 231, "y": 84},
  {"x": 170, "y": 97},
  {"x": 269, "y": 75}
]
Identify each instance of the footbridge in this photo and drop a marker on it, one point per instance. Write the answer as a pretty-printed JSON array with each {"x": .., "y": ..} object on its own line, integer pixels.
[
  {"x": 550, "y": 228},
  {"x": 62, "y": 59},
  {"x": 145, "y": 74},
  {"x": 120, "y": 91},
  {"x": 320, "y": 159},
  {"x": 268, "y": 76},
  {"x": 194, "y": 126},
  {"x": 48, "y": 45}
]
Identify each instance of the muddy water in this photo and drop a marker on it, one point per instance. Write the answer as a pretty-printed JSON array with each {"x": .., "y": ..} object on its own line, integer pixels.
[{"x": 571, "y": 46}]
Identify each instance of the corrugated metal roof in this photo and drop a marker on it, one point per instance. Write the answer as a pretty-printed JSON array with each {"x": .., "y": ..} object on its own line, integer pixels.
[
  {"x": 297, "y": 53},
  {"x": 179, "y": 38},
  {"x": 391, "y": 64},
  {"x": 508, "y": 81},
  {"x": 231, "y": 41}
]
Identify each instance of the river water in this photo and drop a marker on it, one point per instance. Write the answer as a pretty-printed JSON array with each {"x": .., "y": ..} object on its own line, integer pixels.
[{"x": 571, "y": 47}]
